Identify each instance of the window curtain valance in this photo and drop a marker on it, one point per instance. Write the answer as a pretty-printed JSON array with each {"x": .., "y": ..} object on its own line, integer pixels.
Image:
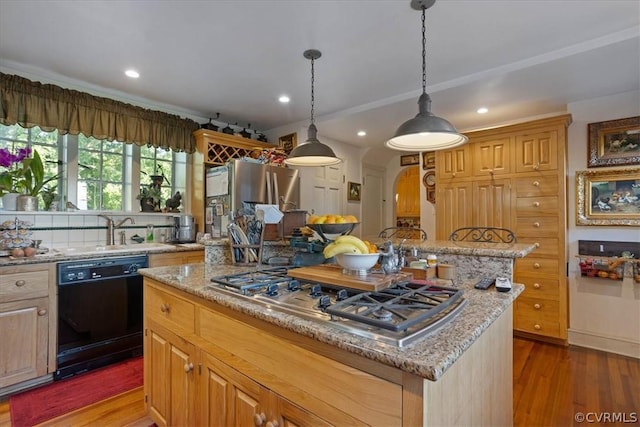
[{"x": 51, "y": 107}]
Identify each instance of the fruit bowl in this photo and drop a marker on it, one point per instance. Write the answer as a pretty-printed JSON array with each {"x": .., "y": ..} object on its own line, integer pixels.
[
  {"x": 331, "y": 231},
  {"x": 357, "y": 262}
]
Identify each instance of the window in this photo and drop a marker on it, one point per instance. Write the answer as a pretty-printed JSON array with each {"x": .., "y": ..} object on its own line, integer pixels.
[{"x": 99, "y": 174}]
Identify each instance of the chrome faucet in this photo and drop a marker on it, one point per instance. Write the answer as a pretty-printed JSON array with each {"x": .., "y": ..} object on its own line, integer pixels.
[{"x": 111, "y": 226}]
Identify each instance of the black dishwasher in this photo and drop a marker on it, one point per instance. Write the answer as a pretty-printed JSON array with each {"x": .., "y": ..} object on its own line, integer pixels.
[{"x": 99, "y": 313}]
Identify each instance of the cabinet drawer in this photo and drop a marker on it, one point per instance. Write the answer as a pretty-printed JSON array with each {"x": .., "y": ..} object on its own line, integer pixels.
[
  {"x": 545, "y": 246},
  {"x": 538, "y": 287},
  {"x": 540, "y": 327},
  {"x": 28, "y": 284},
  {"x": 537, "y": 186},
  {"x": 163, "y": 306},
  {"x": 540, "y": 226},
  {"x": 537, "y": 266},
  {"x": 536, "y": 206},
  {"x": 537, "y": 309}
]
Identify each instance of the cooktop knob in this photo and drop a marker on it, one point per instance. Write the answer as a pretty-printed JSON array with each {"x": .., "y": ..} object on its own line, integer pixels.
[
  {"x": 316, "y": 291},
  {"x": 294, "y": 285},
  {"x": 272, "y": 290},
  {"x": 342, "y": 294},
  {"x": 133, "y": 268},
  {"x": 324, "y": 302}
]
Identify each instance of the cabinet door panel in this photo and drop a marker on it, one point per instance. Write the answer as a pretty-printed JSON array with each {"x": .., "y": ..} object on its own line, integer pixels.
[
  {"x": 537, "y": 152},
  {"x": 492, "y": 157},
  {"x": 156, "y": 388},
  {"x": 492, "y": 201},
  {"x": 453, "y": 209},
  {"x": 23, "y": 336},
  {"x": 292, "y": 415},
  {"x": 454, "y": 163}
]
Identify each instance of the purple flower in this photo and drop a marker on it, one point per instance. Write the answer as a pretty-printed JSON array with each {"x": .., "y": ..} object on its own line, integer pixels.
[{"x": 8, "y": 159}]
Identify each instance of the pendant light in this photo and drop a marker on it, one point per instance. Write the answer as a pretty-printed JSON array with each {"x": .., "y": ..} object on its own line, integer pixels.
[
  {"x": 312, "y": 152},
  {"x": 426, "y": 131}
]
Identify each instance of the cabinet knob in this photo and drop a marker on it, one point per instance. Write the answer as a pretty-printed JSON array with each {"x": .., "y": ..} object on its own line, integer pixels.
[
  {"x": 536, "y": 224},
  {"x": 537, "y": 306},
  {"x": 20, "y": 283},
  {"x": 536, "y": 166},
  {"x": 165, "y": 308},
  {"x": 453, "y": 174},
  {"x": 536, "y": 265},
  {"x": 42, "y": 312},
  {"x": 273, "y": 423},
  {"x": 537, "y": 327},
  {"x": 259, "y": 419},
  {"x": 536, "y": 204},
  {"x": 536, "y": 244},
  {"x": 188, "y": 367},
  {"x": 536, "y": 285},
  {"x": 536, "y": 184}
]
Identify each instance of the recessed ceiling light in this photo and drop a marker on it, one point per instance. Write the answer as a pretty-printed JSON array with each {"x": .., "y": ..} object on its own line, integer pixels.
[
  {"x": 362, "y": 133},
  {"x": 284, "y": 99},
  {"x": 482, "y": 110},
  {"x": 132, "y": 73}
]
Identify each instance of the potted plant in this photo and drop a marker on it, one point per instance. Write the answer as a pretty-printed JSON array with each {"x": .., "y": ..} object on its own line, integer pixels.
[
  {"x": 48, "y": 196},
  {"x": 150, "y": 198},
  {"x": 23, "y": 175}
]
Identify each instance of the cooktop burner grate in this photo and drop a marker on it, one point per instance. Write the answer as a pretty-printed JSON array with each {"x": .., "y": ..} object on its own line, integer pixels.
[
  {"x": 254, "y": 279},
  {"x": 396, "y": 309}
]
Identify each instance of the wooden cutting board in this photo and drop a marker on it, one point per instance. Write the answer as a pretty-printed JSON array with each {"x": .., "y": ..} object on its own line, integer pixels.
[{"x": 331, "y": 274}]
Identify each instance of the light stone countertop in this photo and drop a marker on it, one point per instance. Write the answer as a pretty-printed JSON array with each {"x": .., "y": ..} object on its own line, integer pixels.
[
  {"x": 428, "y": 358},
  {"x": 498, "y": 250},
  {"x": 88, "y": 252}
]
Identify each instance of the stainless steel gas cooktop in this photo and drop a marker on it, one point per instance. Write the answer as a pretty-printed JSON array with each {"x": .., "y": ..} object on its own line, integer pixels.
[{"x": 398, "y": 315}]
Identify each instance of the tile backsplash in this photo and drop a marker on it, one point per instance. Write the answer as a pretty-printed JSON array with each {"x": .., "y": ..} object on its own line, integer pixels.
[{"x": 81, "y": 228}]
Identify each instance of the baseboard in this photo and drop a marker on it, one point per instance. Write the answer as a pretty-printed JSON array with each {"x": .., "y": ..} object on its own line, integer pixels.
[
  {"x": 15, "y": 388},
  {"x": 616, "y": 345}
]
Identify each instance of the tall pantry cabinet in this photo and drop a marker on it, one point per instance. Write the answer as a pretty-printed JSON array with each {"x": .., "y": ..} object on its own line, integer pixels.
[{"x": 515, "y": 177}]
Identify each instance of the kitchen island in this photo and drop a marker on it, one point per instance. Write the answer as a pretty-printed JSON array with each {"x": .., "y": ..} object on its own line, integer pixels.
[{"x": 216, "y": 358}]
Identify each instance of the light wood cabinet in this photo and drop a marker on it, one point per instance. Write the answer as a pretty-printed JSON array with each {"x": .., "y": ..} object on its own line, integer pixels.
[
  {"x": 27, "y": 323},
  {"x": 408, "y": 192},
  {"x": 518, "y": 182},
  {"x": 175, "y": 258},
  {"x": 454, "y": 163},
  {"x": 249, "y": 372}
]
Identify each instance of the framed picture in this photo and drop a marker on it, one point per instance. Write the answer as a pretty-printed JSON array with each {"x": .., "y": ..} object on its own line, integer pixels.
[
  {"x": 608, "y": 197},
  {"x": 614, "y": 143},
  {"x": 354, "y": 192},
  {"x": 288, "y": 142},
  {"x": 409, "y": 159},
  {"x": 428, "y": 160}
]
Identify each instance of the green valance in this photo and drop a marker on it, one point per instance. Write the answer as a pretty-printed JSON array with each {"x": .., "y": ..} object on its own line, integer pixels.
[{"x": 51, "y": 107}]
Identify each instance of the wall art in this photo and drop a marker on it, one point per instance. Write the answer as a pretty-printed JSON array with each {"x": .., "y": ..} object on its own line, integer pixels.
[{"x": 614, "y": 143}]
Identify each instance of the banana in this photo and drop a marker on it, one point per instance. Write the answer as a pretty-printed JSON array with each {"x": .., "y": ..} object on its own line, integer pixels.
[
  {"x": 333, "y": 249},
  {"x": 355, "y": 241}
]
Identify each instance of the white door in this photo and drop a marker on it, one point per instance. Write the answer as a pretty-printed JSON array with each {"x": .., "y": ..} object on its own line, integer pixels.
[
  {"x": 321, "y": 189},
  {"x": 373, "y": 202}
]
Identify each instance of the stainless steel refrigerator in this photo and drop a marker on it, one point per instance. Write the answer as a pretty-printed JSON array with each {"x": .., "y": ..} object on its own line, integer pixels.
[{"x": 238, "y": 181}]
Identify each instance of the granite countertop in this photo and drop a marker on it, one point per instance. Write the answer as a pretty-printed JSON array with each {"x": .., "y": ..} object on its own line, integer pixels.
[
  {"x": 428, "y": 358},
  {"x": 87, "y": 252},
  {"x": 498, "y": 250}
]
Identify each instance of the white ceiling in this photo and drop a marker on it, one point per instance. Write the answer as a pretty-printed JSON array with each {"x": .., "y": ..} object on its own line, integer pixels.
[{"x": 520, "y": 58}]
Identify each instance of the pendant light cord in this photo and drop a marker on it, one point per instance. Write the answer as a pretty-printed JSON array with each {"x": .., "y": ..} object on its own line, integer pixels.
[
  {"x": 424, "y": 54},
  {"x": 313, "y": 78}
]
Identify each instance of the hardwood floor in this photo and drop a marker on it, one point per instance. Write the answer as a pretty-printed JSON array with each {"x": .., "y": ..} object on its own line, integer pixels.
[{"x": 551, "y": 385}]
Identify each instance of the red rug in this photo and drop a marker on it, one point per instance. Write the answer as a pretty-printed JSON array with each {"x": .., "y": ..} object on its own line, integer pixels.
[{"x": 50, "y": 401}]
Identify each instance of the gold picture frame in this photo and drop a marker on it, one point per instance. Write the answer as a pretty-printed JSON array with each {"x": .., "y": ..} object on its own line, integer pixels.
[
  {"x": 355, "y": 192},
  {"x": 409, "y": 160},
  {"x": 428, "y": 160},
  {"x": 288, "y": 142},
  {"x": 608, "y": 197},
  {"x": 614, "y": 143}
]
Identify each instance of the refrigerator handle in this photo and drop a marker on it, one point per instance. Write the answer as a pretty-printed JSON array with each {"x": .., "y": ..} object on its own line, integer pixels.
[
  {"x": 276, "y": 198},
  {"x": 269, "y": 199}
]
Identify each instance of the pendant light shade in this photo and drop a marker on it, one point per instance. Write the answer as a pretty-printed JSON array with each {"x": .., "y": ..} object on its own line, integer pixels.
[
  {"x": 312, "y": 152},
  {"x": 426, "y": 131}
]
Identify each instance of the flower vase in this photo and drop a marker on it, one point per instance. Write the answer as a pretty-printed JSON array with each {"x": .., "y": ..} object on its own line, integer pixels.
[
  {"x": 9, "y": 201},
  {"x": 27, "y": 203}
]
